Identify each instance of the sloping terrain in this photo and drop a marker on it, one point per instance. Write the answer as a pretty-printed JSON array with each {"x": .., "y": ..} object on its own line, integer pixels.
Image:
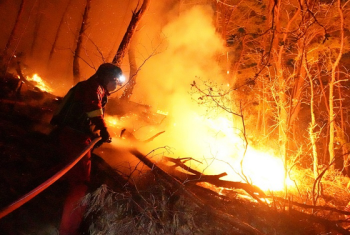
[{"x": 155, "y": 202}]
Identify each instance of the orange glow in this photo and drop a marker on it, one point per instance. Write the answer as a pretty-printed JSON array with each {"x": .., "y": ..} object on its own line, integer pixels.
[
  {"x": 216, "y": 142},
  {"x": 39, "y": 83},
  {"x": 261, "y": 167},
  {"x": 113, "y": 122},
  {"x": 265, "y": 170},
  {"x": 219, "y": 147}
]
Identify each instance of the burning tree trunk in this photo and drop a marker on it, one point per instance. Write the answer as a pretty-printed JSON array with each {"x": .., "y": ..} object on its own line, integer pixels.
[
  {"x": 331, "y": 86},
  {"x": 83, "y": 27},
  {"x": 136, "y": 17}
]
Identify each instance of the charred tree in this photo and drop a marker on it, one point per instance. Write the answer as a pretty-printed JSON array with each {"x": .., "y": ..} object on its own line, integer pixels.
[
  {"x": 37, "y": 23},
  {"x": 13, "y": 34},
  {"x": 133, "y": 74},
  {"x": 77, "y": 54},
  {"x": 123, "y": 47},
  {"x": 54, "y": 44},
  {"x": 11, "y": 40}
]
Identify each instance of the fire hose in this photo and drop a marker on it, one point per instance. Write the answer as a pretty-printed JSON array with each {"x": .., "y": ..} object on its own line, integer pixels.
[{"x": 27, "y": 197}]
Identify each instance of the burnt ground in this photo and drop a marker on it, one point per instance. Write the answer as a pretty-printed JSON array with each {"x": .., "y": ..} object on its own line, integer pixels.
[
  {"x": 28, "y": 158},
  {"x": 25, "y": 163}
]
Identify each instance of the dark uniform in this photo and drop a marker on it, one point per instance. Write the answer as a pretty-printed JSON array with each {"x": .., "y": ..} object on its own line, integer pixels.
[{"x": 79, "y": 119}]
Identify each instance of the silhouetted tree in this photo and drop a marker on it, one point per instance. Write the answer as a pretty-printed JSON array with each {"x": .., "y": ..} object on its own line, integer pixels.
[
  {"x": 54, "y": 44},
  {"x": 77, "y": 54}
]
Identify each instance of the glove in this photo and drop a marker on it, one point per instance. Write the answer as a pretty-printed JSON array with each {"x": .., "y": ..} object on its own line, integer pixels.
[{"x": 105, "y": 138}]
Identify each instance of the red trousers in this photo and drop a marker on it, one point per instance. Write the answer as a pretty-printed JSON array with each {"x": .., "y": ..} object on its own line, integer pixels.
[{"x": 71, "y": 143}]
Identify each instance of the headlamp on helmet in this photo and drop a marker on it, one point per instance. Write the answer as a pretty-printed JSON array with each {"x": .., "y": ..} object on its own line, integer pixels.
[
  {"x": 121, "y": 79},
  {"x": 110, "y": 76}
]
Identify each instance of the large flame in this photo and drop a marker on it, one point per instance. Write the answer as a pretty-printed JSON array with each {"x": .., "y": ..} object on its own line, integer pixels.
[
  {"x": 213, "y": 141},
  {"x": 260, "y": 167},
  {"x": 39, "y": 83},
  {"x": 221, "y": 148},
  {"x": 264, "y": 170}
]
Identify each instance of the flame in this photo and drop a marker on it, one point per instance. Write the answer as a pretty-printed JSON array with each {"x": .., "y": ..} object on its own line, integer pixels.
[
  {"x": 261, "y": 167},
  {"x": 223, "y": 149},
  {"x": 265, "y": 170},
  {"x": 111, "y": 121},
  {"x": 39, "y": 83}
]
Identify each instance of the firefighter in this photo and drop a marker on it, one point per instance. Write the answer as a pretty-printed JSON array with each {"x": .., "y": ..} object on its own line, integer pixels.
[{"x": 78, "y": 120}]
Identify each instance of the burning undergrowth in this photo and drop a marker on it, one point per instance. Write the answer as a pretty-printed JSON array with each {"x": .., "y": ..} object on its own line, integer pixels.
[
  {"x": 183, "y": 197},
  {"x": 149, "y": 205}
]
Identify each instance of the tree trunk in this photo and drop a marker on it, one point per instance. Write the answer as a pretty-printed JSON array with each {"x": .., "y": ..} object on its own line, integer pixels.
[
  {"x": 343, "y": 137},
  {"x": 77, "y": 54},
  {"x": 313, "y": 121},
  {"x": 13, "y": 34},
  {"x": 53, "y": 47},
  {"x": 263, "y": 83},
  {"x": 331, "y": 87},
  {"x": 37, "y": 24},
  {"x": 133, "y": 75},
  {"x": 324, "y": 158},
  {"x": 123, "y": 47},
  {"x": 6, "y": 53},
  {"x": 282, "y": 97}
]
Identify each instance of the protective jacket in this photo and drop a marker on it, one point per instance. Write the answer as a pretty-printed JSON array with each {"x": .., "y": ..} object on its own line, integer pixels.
[
  {"x": 79, "y": 119},
  {"x": 82, "y": 108}
]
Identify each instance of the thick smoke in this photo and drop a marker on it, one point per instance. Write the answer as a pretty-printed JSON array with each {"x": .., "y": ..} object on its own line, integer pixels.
[
  {"x": 190, "y": 53},
  {"x": 191, "y": 49}
]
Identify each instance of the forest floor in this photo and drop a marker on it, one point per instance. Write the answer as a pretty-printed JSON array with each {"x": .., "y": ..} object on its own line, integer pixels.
[{"x": 148, "y": 203}]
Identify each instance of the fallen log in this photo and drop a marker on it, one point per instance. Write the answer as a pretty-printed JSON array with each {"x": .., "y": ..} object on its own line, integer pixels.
[
  {"x": 212, "y": 179},
  {"x": 105, "y": 174},
  {"x": 128, "y": 135},
  {"x": 306, "y": 206},
  {"x": 176, "y": 185}
]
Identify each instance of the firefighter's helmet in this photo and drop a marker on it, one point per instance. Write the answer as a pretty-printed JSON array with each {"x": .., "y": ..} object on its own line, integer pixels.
[{"x": 108, "y": 71}]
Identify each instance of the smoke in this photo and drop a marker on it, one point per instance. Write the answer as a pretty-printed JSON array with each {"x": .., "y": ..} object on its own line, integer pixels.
[{"x": 190, "y": 49}]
